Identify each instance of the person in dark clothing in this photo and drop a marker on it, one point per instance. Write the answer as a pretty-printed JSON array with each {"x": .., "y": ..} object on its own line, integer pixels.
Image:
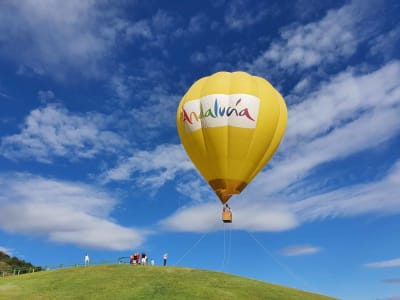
[{"x": 165, "y": 257}]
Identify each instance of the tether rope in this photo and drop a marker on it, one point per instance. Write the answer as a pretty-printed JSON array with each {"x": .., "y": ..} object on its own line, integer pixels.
[
  {"x": 283, "y": 266},
  {"x": 191, "y": 248},
  {"x": 224, "y": 254}
]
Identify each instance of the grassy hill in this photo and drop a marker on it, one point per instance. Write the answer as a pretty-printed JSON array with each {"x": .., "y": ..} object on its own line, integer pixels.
[{"x": 142, "y": 282}]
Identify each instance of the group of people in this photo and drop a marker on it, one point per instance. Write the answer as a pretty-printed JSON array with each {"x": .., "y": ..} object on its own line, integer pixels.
[
  {"x": 141, "y": 259},
  {"x": 135, "y": 259}
]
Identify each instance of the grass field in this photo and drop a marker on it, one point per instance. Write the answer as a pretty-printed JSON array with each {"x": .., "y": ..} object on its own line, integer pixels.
[{"x": 142, "y": 282}]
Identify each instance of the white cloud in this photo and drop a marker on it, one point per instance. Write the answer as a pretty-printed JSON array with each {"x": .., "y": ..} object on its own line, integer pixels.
[
  {"x": 246, "y": 216},
  {"x": 336, "y": 36},
  {"x": 336, "y": 122},
  {"x": 195, "y": 188},
  {"x": 374, "y": 197},
  {"x": 75, "y": 38},
  {"x": 210, "y": 53},
  {"x": 52, "y": 131},
  {"x": 6, "y": 250},
  {"x": 151, "y": 169},
  {"x": 5, "y": 96},
  {"x": 384, "y": 264},
  {"x": 139, "y": 29},
  {"x": 344, "y": 97},
  {"x": 300, "y": 250},
  {"x": 239, "y": 14},
  {"x": 163, "y": 20},
  {"x": 121, "y": 87},
  {"x": 155, "y": 31},
  {"x": 46, "y": 96},
  {"x": 198, "y": 23},
  {"x": 63, "y": 212},
  {"x": 159, "y": 111},
  {"x": 392, "y": 280},
  {"x": 57, "y": 37},
  {"x": 201, "y": 218},
  {"x": 386, "y": 44},
  {"x": 262, "y": 214}
]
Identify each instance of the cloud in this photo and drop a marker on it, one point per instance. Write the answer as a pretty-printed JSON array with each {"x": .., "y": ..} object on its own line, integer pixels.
[
  {"x": 328, "y": 42},
  {"x": 386, "y": 44},
  {"x": 52, "y": 131},
  {"x": 57, "y": 38},
  {"x": 300, "y": 250},
  {"x": 335, "y": 122},
  {"x": 240, "y": 15},
  {"x": 211, "y": 53},
  {"x": 158, "y": 112},
  {"x": 344, "y": 97},
  {"x": 46, "y": 96},
  {"x": 154, "y": 32},
  {"x": 313, "y": 44},
  {"x": 372, "y": 197},
  {"x": 64, "y": 212},
  {"x": 6, "y": 250},
  {"x": 198, "y": 23},
  {"x": 194, "y": 219},
  {"x": 263, "y": 214},
  {"x": 76, "y": 39},
  {"x": 5, "y": 96},
  {"x": 195, "y": 188},
  {"x": 384, "y": 264},
  {"x": 246, "y": 216},
  {"x": 145, "y": 98},
  {"x": 151, "y": 169},
  {"x": 392, "y": 280}
]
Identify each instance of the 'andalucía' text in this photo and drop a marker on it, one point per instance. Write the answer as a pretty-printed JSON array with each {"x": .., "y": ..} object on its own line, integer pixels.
[{"x": 217, "y": 111}]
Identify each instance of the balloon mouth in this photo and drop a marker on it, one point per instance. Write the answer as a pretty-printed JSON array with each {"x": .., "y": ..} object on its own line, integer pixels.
[{"x": 225, "y": 188}]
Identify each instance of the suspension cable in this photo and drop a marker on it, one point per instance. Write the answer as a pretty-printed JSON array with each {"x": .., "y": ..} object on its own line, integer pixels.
[
  {"x": 229, "y": 244},
  {"x": 224, "y": 253},
  {"x": 191, "y": 248},
  {"x": 283, "y": 266}
]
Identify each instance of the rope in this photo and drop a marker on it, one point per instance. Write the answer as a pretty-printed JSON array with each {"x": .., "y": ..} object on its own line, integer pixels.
[
  {"x": 223, "y": 258},
  {"x": 230, "y": 244},
  {"x": 283, "y": 266},
  {"x": 191, "y": 248},
  {"x": 227, "y": 245}
]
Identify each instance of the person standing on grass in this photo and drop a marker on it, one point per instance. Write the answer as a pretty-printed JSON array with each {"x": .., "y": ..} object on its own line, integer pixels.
[
  {"x": 87, "y": 260},
  {"x": 165, "y": 257},
  {"x": 144, "y": 259}
]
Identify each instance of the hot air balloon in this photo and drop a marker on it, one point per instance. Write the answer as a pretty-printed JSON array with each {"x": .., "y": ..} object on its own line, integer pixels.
[{"x": 230, "y": 125}]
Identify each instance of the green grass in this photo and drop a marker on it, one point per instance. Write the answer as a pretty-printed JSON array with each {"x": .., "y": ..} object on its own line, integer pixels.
[{"x": 142, "y": 282}]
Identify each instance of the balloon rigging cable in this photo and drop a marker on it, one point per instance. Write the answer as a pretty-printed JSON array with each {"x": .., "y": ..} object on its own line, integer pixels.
[
  {"x": 227, "y": 247},
  {"x": 191, "y": 248},
  {"x": 278, "y": 262}
]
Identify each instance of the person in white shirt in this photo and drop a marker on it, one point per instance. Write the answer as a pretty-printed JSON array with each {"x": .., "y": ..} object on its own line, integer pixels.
[{"x": 87, "y": 260}]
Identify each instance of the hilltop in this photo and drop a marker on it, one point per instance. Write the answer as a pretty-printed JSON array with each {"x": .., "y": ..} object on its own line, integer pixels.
[
  {"x": 142, "y": 282},
  {"x": 8, "y": 264}
]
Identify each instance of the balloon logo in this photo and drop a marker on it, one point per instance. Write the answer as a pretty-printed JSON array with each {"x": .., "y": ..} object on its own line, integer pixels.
[{"x": 230, "y": 125}]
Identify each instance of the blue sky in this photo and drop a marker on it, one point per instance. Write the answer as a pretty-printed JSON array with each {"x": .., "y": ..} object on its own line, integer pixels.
[{"x": 90, "y": 158}]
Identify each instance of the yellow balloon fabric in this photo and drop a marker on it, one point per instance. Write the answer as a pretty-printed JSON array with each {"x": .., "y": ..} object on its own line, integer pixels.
[{"x": 230, "y": 125}]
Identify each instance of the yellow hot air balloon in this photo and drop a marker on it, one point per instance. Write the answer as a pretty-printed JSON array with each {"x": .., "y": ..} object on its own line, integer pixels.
[{"x": 230, "y": 125}]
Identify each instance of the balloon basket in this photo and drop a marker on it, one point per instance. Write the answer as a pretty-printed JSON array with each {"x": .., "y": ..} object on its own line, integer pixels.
[{"x": 227, "y": 217}]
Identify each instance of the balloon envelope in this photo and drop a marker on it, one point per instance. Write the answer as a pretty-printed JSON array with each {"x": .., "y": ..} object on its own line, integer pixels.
[{"x": 230, "y": 125}]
